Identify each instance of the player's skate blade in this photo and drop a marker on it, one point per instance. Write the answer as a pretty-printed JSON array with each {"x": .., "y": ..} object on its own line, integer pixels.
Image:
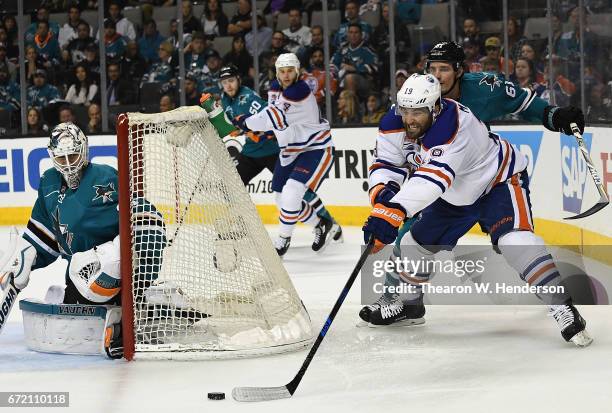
[
  {"x": 571, "y": 323},
  {"x": 336, "y": 231}
]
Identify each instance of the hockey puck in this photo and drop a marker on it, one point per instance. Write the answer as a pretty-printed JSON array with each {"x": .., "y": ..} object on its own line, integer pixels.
[{"x": 216, "y": 396}]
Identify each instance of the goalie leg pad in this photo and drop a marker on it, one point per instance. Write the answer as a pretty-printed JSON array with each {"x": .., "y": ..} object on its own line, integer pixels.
[{"x": 67, "y": 328}]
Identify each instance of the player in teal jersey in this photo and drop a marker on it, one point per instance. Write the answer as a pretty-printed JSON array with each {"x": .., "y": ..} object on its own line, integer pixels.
[{"x": 76, "y": 217}]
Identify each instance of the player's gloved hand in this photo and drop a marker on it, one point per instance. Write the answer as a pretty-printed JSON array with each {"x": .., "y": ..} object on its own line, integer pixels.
[
  {"x": 16, "y": 263},
  {"x": 208, "y": 102},
  {"x": 383, "y": 192},
  {"x": 383, "y": 223},
  {"x": 562, "y": 117},
  {"x": 240, "y": 122},
  {"x": 257, "y": 136}
]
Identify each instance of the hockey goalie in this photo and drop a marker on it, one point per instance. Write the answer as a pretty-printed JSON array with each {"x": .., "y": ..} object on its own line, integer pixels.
[{"x": 76, "y": 217}]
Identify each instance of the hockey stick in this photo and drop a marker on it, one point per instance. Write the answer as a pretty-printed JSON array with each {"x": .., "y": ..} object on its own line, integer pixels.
[
  {"x": 258, "y": 394},
  {"x": 603, "y": 196},
  {"x": 9, "y": 297}
]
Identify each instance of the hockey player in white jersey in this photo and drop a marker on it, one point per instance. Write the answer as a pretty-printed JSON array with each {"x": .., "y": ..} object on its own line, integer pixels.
[
  {"x": 467, "y": 175},
  {"x": 306, "y": 149}
]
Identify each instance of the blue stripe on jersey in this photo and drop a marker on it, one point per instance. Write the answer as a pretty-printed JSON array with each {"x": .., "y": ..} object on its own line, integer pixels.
[
  {"x": 297, "y": 91},
  {"x": 418, "y": 175},
  {"x": 391, "y": 121},
  {"x": 512, "y": 160},
  {"x": 274, "y": 124},
  {"x": 307, "y": 140},
  {"x": 445, "y": 127},
  {"x": 389, "y": 168},
  {"x": 442, "y": 165}
]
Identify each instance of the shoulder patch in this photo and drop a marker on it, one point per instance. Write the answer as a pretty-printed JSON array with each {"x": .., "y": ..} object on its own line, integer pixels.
[
  {"x": 297, "y": 92},
  {"x": 391, "y": 123},
  {"x": 445, "y": 128}
]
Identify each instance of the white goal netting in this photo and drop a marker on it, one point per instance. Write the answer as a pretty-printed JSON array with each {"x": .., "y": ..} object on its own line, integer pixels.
[{"x": 214, "y": 285}]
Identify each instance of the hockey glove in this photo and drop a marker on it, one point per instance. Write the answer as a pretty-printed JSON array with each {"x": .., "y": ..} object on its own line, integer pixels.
[
  {"x": 383, "y": 192},
  {"x": 383, "y": 223},
  {"x": 559, "y": 119},
  {"x": 17, "y": 262},
  {"x": 240, "y": 122}
]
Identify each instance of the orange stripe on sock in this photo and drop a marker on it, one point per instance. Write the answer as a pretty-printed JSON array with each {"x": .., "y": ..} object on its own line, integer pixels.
[{"x": 540, "y": 272}]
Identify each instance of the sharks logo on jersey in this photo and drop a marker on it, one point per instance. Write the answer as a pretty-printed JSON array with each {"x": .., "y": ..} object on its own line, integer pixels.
[
  {"x": 63, "y": 236},
  {"x": 104, "y": 192},
  {"x": 242, "y": 99},
  {"x": 491, "y": 80}
]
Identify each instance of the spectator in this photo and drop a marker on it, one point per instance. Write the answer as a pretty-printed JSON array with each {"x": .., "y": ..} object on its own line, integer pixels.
[
  {"x": 267, "y": 74},
  {"x": 599, "y": 104},
  {"x": 32, "y": 63},
  {"x": 92, "y": 60},
  {"x": 162, "y": 71},
  {"x": 133, "y": 66},
  {"x": 493, "y": 48},
  {"x": 70, "y": 29},
  {"x": 560, "y": 87},
  {"x": 122, "y": 25},
  {"x": 46, "y": 45},
  {"x": 568, "y": 46},
  {"x": 264, "y": 37},
  {"x": 95, "y": 119},
  {"x": 490, "y": 64},
  {"x": 84, "y": 90},
  {"x": 241, "y": 21},
  {"x": 210, "y": 80},
  {"x": 75, "y": 50},
  {"x": 525, "y": 74},
  {"x": 41, "y": 94},
  {"x": 380, "y": 42},
  {"x": 316, "y": 42},
  {"x": 516, "y": 40},
  {"x": 36, "y": 125},
  {"x": 192, "y": 91},
  {"x": 529, "y": 53},
  {"x": 42, "y": 14},
  {"x": 347, "y": 112},
  {"x": 317, "y": 69},
  {"x": 12, "y": 50},
  {"x": 400, "y": 77},
  {"x": 472, "y": 30},
  {"x": 119, "y": 91},
  {"x": 174, "y": 39},
  {"x": 166, "y": 103},
  {"x": 149, "y": 43},
  {"x": 190, "y": 23},
  {"x": 214, "y": 21},
  {"x": 351, "y": 11},
  {"x": 11, "y": 67},
  {"x": 115, "y": 43},
  {"x": 374, "y": 111},
  {"x": 472, "y": 55},
  {"x": 66, "y": 114},
  {"x": 297, "y": 34},
  {"x": 239, "y": 57},
  {"x": 195, "y": 56},
  {"x": 9, "y": 91},
  {"x": 10, "y": 25},
  {"x": 277, "y": 46},
  {"x": 355, "y": 63},
  {"x": 557, "y": 30}
]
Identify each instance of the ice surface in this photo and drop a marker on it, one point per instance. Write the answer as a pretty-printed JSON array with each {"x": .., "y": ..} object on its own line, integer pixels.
[{"x": 464, "y": 359}]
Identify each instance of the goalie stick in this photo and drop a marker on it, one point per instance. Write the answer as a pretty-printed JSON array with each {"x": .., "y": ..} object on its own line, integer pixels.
[
  {"x": 258, "y": 394},
  {"x": 9, "y": 298},
  {"x": 603, "y": 196}
]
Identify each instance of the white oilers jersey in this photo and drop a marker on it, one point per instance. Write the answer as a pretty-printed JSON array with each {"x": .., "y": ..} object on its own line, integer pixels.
[
  {"x": 460, "y": 161},
  {"x": 293, "y": 115}
]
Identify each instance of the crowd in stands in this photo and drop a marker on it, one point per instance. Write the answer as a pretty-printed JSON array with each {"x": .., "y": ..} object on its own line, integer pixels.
[{"x": 62, "y": 64}]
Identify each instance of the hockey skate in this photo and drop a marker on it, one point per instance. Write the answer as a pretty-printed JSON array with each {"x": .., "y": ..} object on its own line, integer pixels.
[
  {"x": 325, "y": 231},
  {"x": 282, "y": 245},
  {"x": 392, "y": 311},
  {"x": 571, "y": 323}
]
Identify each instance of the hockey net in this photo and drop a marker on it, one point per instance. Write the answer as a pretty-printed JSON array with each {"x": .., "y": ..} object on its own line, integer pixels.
[{"x": 213, "y": 285}]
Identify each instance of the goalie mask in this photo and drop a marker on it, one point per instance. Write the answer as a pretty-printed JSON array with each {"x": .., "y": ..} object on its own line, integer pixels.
[{"x": 69, "y": 151}]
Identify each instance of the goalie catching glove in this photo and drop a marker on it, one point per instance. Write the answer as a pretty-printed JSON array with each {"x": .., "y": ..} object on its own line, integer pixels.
[
  {"x": 95, "y": 272},
  {"x": 383, "y": 224},
  {"x": 17, "y": 262}
]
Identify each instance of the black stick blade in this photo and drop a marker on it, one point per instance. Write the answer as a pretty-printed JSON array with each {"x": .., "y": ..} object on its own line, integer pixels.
[
  {"x": 260, "y": 394},
  {"x": 598, "y": 206}
]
